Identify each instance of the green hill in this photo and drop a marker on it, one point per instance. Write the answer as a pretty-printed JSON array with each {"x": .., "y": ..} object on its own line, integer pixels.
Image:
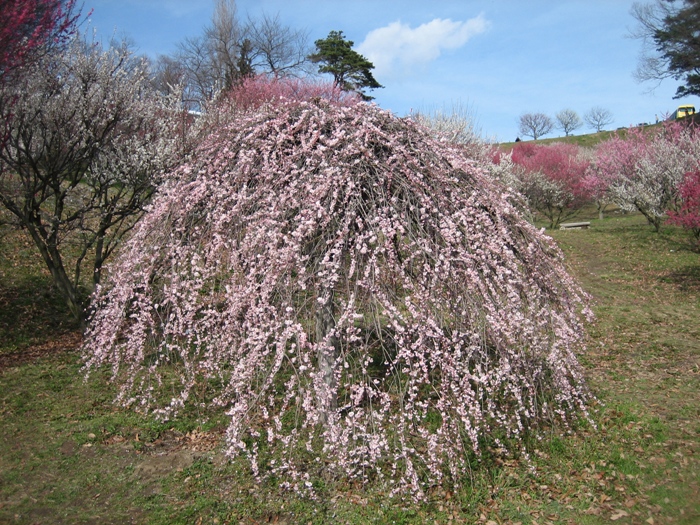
[
  {"x": 591, "y": 139},
  {"x": 586, "y": 141}
]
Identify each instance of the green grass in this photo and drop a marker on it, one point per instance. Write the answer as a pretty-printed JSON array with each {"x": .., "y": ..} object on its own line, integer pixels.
[
  {"x": 68, "y": 455},
  {"x": 586, "y": 141}
]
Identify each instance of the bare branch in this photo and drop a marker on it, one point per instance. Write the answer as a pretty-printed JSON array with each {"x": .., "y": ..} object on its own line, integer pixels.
[
  {"x": 278, "y": 49},
  {"x": 598, "y": 117},
  {"x": 535, "y": 125}
]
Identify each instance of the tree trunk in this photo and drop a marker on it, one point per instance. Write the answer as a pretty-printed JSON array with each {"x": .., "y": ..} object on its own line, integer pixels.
[
  {"x": 65, "y": 286},
  {"x": 327, "y": 355},
  {"x": 99, "y": 259}
]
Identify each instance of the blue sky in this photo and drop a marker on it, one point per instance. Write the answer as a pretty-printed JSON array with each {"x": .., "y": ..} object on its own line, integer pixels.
[{"x": 498, "y": 58}]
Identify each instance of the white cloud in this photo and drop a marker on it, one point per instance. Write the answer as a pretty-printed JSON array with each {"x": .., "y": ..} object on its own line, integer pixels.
[{"x": 400, "y": 48}]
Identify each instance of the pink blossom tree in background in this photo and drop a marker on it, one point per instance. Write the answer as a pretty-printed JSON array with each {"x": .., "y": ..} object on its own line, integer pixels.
[
  {"x": 360, "y": 298},
  {"x": 255, "y": 91},
  {"x": 614, "y": 159},
  {"x": 688, "y": 214},
  {"x": 646, "y": 169},
  {"x": 552, "y": 179}
]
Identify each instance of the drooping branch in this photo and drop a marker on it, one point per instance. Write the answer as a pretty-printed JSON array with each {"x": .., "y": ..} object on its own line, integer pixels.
[{"x": 352, "y": 289}]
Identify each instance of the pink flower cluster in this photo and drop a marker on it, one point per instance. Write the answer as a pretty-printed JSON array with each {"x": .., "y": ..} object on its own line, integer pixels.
[
  {"x": 688, "y": 214},
  {"x": 552, "y": 179},
  {"x": 639, "y": 170},
  {"x": 258, "y": 90},
  {"x": 643, "y": 171},
  {"x": 360, "y": 298}
]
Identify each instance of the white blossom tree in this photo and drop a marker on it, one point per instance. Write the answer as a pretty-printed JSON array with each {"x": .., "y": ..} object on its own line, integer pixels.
[
  {"x": 86, "y": 144},
  {"x": 455, "y": 123},
  {"x": 360, "y": 298}
]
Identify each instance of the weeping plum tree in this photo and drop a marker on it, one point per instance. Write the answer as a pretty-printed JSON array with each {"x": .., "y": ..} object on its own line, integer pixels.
[{"x": 359, "y": 297}]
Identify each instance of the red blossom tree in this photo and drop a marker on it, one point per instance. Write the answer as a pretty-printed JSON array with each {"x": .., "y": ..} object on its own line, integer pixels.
[
  {"x": 360, "y": 298},
  {"x": 27, "y": 26},
  {"x": 688, "y": 215}
]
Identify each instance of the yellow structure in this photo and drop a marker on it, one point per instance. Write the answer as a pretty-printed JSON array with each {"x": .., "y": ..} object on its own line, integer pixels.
[{"x": 684, "y": 111}]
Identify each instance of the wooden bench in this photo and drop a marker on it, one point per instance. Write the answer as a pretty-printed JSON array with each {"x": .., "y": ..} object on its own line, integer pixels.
[{"x": 574, "y": 225}]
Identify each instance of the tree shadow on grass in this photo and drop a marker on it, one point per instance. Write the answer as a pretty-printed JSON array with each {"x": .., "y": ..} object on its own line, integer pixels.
[
  {"x": 686, "y": 278},
  {"x": 32, "y": 313}
]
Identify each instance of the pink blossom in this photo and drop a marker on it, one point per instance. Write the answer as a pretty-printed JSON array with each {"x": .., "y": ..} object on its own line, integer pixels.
[
  {"x": 552, "y": 179},
  {"x": 348, "y": 288},
  {"x": 688, "y": 214}
]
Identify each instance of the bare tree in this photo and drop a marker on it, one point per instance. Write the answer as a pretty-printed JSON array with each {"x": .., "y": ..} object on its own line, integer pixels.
[
  {"x": 224, "y": 41},
  {"x": 200, "y": 81},
  {"x": 568, "y": 121},
  {"x": 598, "y": 117},
  {"x": 652, "y": 65},
  {"x": 277, "y": 49},
  {"x": 229, "y": 51},
  {"x": 209, "y": 62},
  {"x": 535, "y": 125},
  {"x": 166, "y": 74}
]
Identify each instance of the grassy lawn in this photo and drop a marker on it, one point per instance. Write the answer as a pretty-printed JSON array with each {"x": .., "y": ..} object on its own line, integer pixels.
[{"x": 68, "y": 455}]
